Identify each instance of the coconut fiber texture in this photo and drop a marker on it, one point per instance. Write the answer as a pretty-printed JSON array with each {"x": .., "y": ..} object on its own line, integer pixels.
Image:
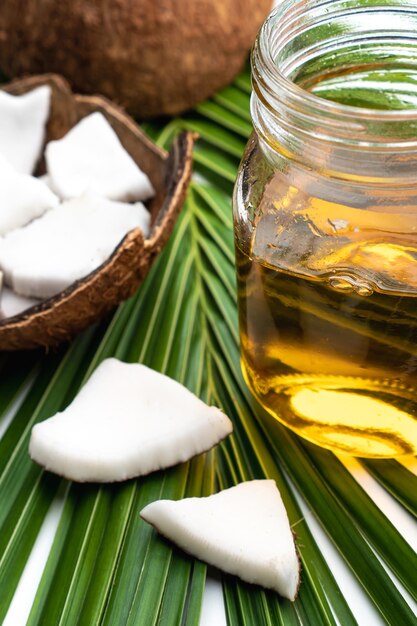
[
  {"x": 61, "y": 317},
  {"x": 152, "y": 57}
]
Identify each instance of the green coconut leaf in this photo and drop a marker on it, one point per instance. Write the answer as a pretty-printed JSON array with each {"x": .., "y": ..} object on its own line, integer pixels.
[
  {"x": 224, "y": 117},
  {"x": 106, "y": 566},
  {"x": 217, "y": 136},
  {"x": 401, "y": 483}
]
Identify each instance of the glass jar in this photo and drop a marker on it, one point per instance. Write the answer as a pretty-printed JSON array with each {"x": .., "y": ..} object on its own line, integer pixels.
[{"x": 325, "y": 217}]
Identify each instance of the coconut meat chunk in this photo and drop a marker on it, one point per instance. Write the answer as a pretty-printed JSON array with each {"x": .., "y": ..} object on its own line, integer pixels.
[
  {"x": 67, "y": 244},
  {"x": 91, "y": 158},
  {"x": 12, "y": 304},
  {"x": 243, "y": 530},
  {"x": 22, "y": 198},
  {"x": 22, "y": 127},
  {"x": 45, "y": 178},
  {"x": 127, "y": 420}
]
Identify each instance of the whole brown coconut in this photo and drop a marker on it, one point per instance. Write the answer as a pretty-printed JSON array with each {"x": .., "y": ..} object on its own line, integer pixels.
[{"x": 153, "y": 57}]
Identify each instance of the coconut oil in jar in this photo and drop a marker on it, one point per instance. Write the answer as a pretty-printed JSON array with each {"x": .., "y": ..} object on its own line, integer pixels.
[{"x": 325, "y": 215}]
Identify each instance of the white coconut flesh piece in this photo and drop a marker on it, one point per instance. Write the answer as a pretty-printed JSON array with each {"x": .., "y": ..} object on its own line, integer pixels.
[
  {"x": 90, "y": 158},
  {"x": 22, "y": 127},
  {"x": 67, "y": 244},
  {"x": 46, "y": 179},
  {"x": 22, "y": 198},
  {"x": 128, "y": 420},
  {"x": 243, "y": 530},
  {"x": 12, "y": 304}
]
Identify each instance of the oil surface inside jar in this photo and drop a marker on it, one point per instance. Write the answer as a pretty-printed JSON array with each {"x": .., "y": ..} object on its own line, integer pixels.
[
  {"x": 336, "y": 366},
  {"x": 328, "y": 291}
]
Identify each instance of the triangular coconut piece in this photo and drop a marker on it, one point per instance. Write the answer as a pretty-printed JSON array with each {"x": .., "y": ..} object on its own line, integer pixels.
[
  {"x": 243, "y": 530},
  {"x": 22, "y": 198},
  {"x": 90, "y": 158},
  {"x": 128, "y": 420},
  {"x": 22, "y": 127},
  {"x": 12, "y": 304},
  {"x": 67, "y": 244}
]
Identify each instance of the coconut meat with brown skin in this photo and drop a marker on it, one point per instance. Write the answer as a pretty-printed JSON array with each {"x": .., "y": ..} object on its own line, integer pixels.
[
  {"x": 22, "y": 127},
  {"x": 128, "y": 420},
  {"x": 90, "y": 158},
  {"x": 12, "y": 304},
  {"x": 22, "y": 198},
  {"x": 66, "y": 244},
  {"x": 243, "y": 530}
]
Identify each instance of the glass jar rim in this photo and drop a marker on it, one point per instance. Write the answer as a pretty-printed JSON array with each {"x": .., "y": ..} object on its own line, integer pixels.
[{"x": 274, "y": 89}]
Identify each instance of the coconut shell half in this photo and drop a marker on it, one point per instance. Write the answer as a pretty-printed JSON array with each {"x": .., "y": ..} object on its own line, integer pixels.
[{"x": 59, "y": 318}]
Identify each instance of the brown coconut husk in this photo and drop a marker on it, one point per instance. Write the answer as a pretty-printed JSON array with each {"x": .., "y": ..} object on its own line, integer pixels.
[
  {"x": 154, "y": 58},
  {"x": 59, "y": 318}
]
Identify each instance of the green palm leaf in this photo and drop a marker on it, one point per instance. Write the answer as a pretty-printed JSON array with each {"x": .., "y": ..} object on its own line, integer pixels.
[
  {"x": 105, "y": 565},
  {"x": 397, "y": 480}
]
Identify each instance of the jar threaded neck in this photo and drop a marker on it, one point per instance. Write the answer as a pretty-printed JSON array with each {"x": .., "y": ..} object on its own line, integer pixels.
[{"x": 305, "y": 36}]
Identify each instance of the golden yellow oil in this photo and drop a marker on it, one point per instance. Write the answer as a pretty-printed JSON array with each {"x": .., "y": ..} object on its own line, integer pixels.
[
  {"x": 336, "y": 364},
  {"x": 327, "y": 278}
]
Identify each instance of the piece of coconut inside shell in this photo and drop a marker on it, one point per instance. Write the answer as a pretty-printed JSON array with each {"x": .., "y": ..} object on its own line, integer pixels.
[
  {"x": 12, "y": 304},
  {"x": 61, "y": 317},
  {"x": 79, "y": 235},
  {"x": 23, "y": 119},
  {"x": 23, "y": 198}
]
